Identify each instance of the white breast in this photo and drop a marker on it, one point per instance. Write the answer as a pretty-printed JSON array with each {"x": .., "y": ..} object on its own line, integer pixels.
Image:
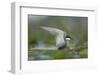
[{"x": 60, "y": 40}]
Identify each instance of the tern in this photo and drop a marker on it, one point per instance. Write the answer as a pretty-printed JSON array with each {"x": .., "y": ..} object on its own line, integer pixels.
[{"x": 61, "y": 36}]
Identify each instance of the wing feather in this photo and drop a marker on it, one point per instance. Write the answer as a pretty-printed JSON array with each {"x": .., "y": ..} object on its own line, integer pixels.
[
  {"x": 53, "y": 31},
  {"x": 59, "y": 34}
]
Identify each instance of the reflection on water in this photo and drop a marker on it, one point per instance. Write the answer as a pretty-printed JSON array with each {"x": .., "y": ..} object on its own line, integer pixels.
[{"x": 42, "y": 46}]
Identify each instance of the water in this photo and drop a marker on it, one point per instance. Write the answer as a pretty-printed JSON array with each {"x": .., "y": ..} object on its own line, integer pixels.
[{"x": 42, "y": 46}]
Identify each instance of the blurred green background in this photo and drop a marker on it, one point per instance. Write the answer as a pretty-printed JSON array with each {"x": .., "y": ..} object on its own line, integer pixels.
[{"x": 76, "y": 27}]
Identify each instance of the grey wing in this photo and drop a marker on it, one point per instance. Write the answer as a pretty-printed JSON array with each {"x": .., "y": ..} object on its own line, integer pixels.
[
  {"x": 53, "y": 31},
  {"x": 59, "y": 34}
]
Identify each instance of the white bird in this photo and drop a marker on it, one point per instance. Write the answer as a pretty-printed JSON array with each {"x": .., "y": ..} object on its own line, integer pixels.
[{"x": 61, "y": 36}]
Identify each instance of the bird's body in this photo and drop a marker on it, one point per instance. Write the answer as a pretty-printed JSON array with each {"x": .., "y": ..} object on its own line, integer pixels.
[{"x": 60, "y": 42}]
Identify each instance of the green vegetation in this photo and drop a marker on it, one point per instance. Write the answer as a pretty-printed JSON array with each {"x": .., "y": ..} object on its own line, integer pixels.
[{"x": 76, "y": 27}]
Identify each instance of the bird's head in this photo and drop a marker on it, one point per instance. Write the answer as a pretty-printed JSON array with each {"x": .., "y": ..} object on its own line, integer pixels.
[{"x": 68, "y": 38}]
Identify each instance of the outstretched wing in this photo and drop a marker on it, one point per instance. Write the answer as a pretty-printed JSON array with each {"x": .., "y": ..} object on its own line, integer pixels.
[
  {"x": 59, "y": 34},
  {"x": 53, "y": 31}
]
